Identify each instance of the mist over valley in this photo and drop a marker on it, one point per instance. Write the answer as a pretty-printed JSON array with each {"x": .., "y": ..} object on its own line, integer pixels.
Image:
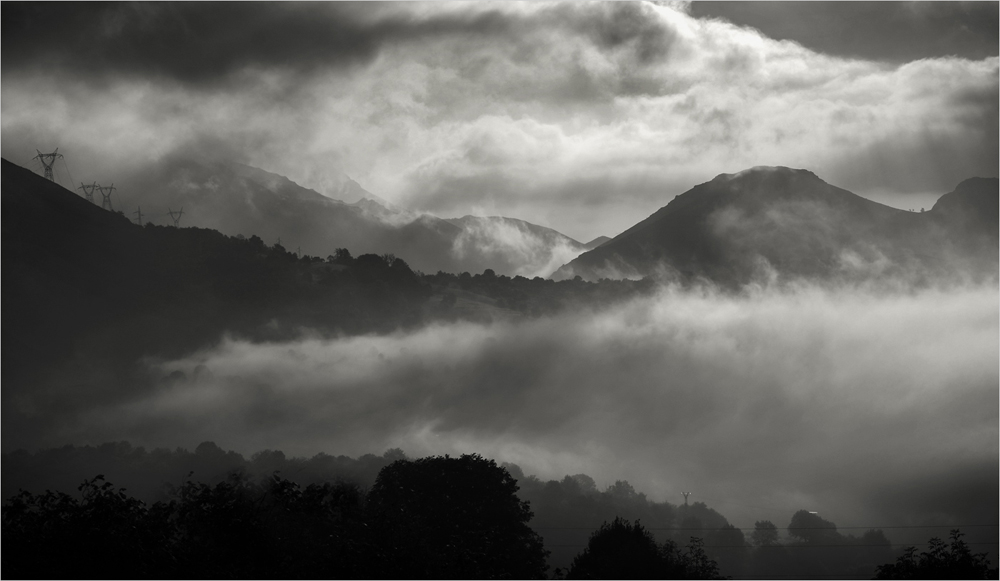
[{"x": 465, "y": 290}]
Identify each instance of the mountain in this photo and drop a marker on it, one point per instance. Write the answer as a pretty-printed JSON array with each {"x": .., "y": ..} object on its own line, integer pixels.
[
  {"x": 776, "y": 221},
  {"x": 596, "y": 242},
  {"x": 516, "y": 247},
  {"x": 239, "y": 199}
]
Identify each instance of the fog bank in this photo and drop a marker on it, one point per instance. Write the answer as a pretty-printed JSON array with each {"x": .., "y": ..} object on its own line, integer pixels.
[{"x": 872, "y": 408}]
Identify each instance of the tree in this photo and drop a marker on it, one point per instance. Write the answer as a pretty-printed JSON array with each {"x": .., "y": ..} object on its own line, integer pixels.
[
  {"x": 447, "y": 518},
  {"x": 728, "y": 546},
  {"x": 812, "y": 529},
  {"x": 623, "y": 550},
  {"x": 764, "y": 534},
  {"x": 940, "y": 561},
  {"x": 340, "y": 256},
  {"x": 626, "y": 550}
]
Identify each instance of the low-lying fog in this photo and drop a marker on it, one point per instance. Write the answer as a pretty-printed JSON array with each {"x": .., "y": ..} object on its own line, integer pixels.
[{"x": 872, "y": 408}]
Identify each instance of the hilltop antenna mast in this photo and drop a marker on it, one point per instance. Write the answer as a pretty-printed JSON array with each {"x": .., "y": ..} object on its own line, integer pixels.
[
  {"x": 686, "y": 495},
  {"x": 88, "y": 191},
  {"x": 138, "y": 213},
  {"x": 176, "y": 216},
  {"x": 51, "y": 157},
  {"x": 106, "y": 204}
]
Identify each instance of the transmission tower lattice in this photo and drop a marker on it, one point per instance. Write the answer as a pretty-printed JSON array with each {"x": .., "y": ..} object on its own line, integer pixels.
[
  {"x": 88, "y": 191},
  {"x": 686, "y": 495},
  {"x": 48, "y": 159},
  {"x": 138, "y": 214},
  {"x": 106, "y": 203},
  {"x": 176, "y": 216}
]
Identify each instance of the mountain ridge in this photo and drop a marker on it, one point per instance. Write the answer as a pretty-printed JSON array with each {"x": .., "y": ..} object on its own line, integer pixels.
[
  {"x": 777, "y": 220},
  {"x": 240, "y": 199}
]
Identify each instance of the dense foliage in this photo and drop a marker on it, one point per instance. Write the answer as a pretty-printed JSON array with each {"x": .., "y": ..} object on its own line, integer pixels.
[
  {"x": 554, "y": 518},
  {"x": 433, "y": 518},
  {"x": 452, "y": 518},
  {"x": 626, "y": 550},
  {"x": 940, "y": 561}
]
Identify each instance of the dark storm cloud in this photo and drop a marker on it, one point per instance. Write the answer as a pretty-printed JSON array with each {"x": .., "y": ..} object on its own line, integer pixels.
[
  {"x": 887, "y": 31},
  {"x": 204, "y": 42}
]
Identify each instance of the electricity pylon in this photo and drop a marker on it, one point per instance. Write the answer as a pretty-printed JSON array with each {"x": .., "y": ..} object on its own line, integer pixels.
[
  {"x": 51, "y": 157},
  {"x": 106, "y": 204},
  {"x": 88, "y": 191},
  {"x": 138, "y": 214},
  {"x": 686, "y": 495},
  {"x": 176, "y": 216}
]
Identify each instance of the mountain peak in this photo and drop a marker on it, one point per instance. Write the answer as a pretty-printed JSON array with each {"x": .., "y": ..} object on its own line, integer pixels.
[{"x": 766, "y": 173}]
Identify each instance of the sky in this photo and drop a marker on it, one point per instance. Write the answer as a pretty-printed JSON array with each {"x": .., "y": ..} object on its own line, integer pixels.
[{"x": 583, "y": 117}]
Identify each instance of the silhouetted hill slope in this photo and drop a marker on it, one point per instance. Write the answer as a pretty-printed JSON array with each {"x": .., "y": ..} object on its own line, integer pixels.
[
  {"x": 239, "y": 199},
  {"x": 87, "y": 294},
  {"x": 770, "y": 221},
  {"x": 89, "y": 297}
]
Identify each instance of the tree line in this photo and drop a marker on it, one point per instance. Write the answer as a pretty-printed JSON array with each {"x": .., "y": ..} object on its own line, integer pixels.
[{"x": 436, "y": 517}]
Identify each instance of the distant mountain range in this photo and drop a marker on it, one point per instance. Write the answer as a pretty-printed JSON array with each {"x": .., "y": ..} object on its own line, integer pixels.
[
  {"x": 769, "y": 222},
  {"x": 239, "y": 199}
]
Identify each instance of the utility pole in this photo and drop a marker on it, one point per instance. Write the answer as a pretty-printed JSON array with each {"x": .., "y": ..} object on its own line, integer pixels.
[
  {"x": 106, "y": 204},
  {"x": 686, "y": 495},
  {"x": 176, "y": 216},
  {"x": 51, "y": 159},
  {"x": 138, "y": 212},
  {"x": 88, "y": 191}
]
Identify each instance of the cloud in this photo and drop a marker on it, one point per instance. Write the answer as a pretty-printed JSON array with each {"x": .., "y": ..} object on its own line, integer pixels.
[
  {"x": 885, "y": 31},
  {"x": 582, "y": 117},
  {"x": 839, "y": 400},
  {"x": 514, "y": 248},
  {"x": 211, "y": 44}
]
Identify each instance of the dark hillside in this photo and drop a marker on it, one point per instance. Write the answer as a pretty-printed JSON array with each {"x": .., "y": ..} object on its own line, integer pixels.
[
  {"x": 89, "y": 297},
  {"x": 87, "y": 294}
]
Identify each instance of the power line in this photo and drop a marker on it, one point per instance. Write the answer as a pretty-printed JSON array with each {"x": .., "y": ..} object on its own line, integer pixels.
[
  {"x": 51, "y": 157},
  {"x": 106, "y": 202},
  {"x": 66, "y": 164},
  {"x": 176, "y": 216},
  {"x": 88, "y": 191}
]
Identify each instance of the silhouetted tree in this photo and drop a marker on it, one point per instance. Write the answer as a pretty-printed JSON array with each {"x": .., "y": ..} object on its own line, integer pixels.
[
  {"x": 623, "y": 550},
  {"x": 729, "y": 548},
  {"x": 626, "y": 550},
  {"x": 104, "y": 534},
  {"x": 698, "y": 563},
  {"x": 764, "y": 534},
  {"x": 812, "y": 529},
  {"x": 939, "y": 561},
  {"x": 448, "y": 518}
]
